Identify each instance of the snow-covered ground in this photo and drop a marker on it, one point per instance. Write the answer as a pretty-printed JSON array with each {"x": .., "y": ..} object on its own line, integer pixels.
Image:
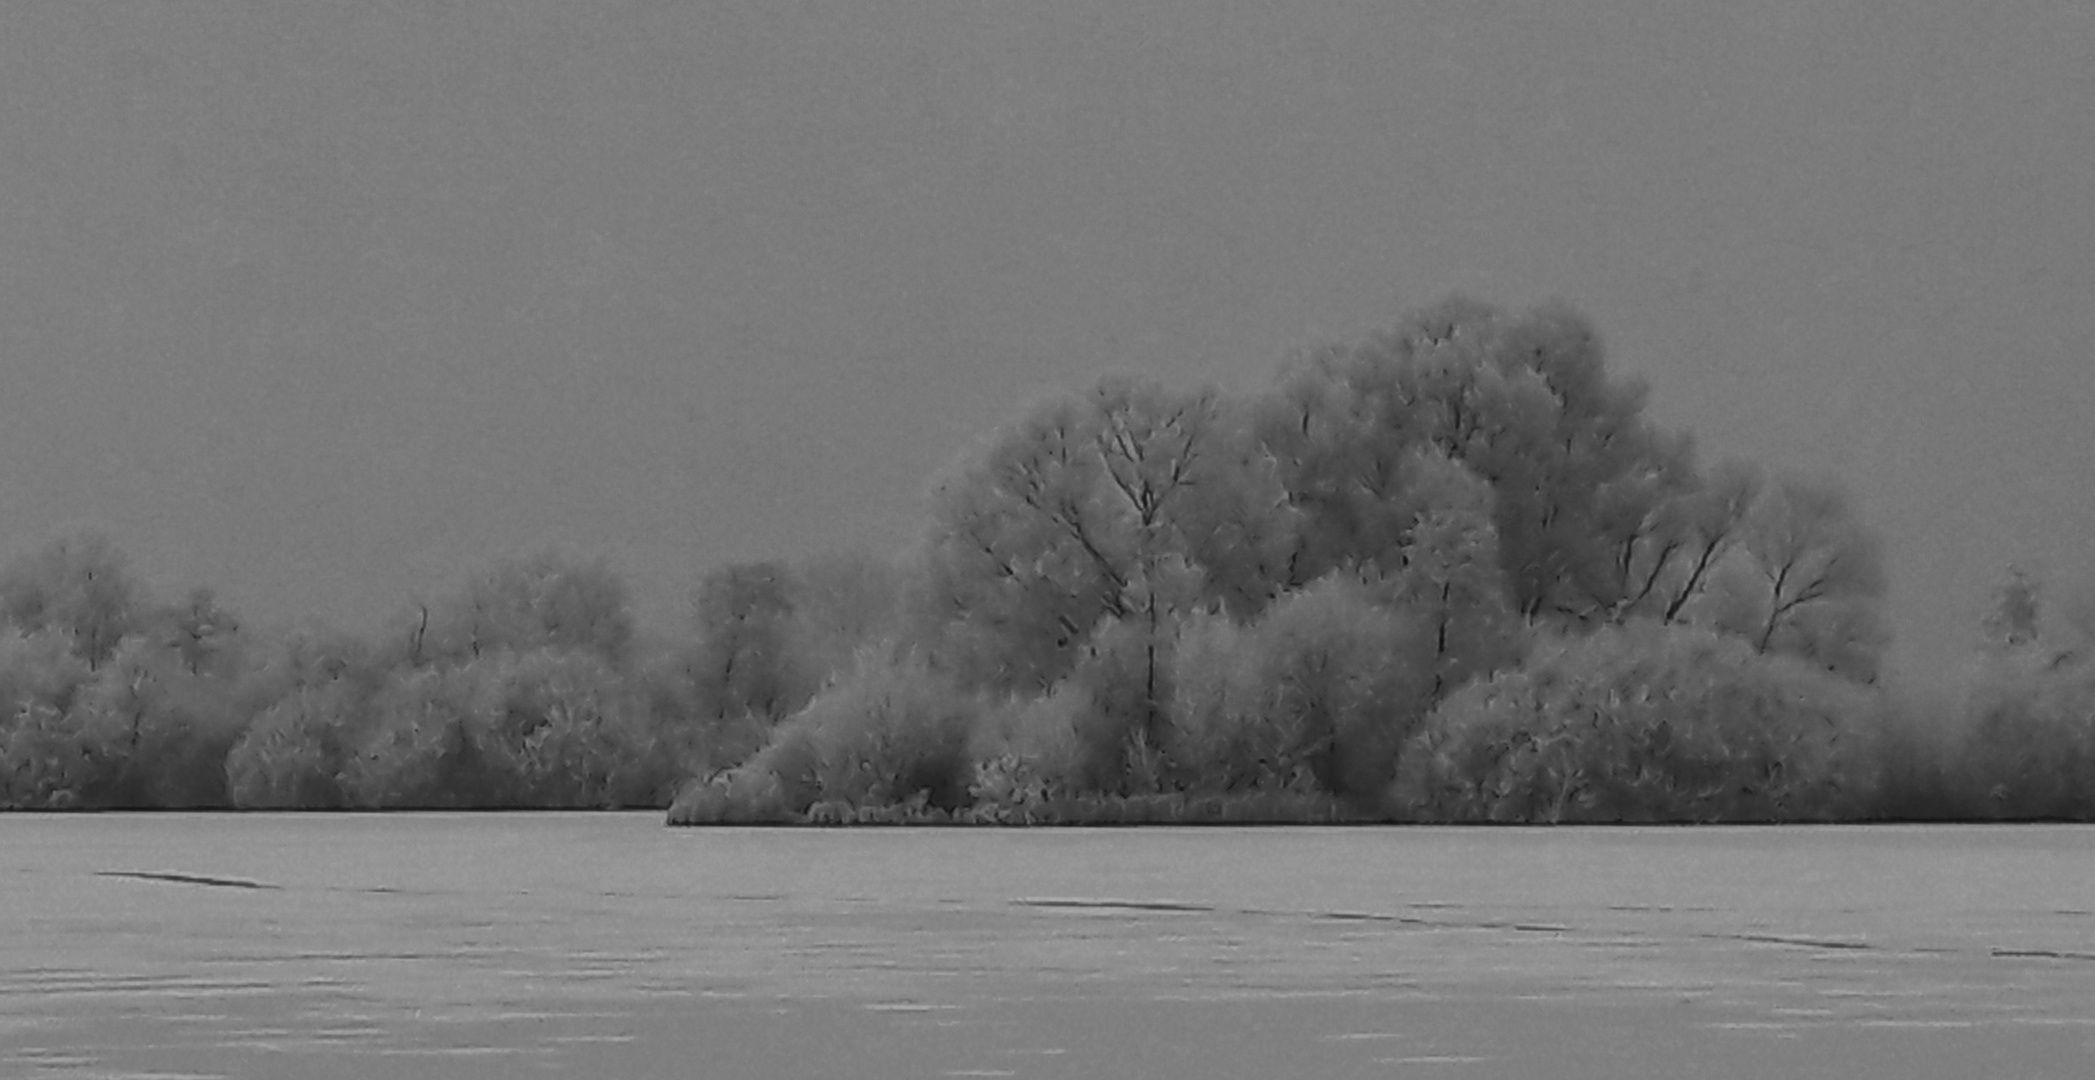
[{"x": 607, "y": 945}]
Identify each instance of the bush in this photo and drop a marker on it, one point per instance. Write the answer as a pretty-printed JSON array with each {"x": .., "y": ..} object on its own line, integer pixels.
[
  {"x": 1318, "y": 695},
  {"x": 2028, "y": 749},
  {"x": 691, "y": 740},
  {"x": 742, "y": 796},
  {"x": 1046, "y": 745},
  {"x": 1925, "y": 773},
  {"x": 1008, "y": 790},
  {"x": 40, "y": 675},
  {"x": 143, "y": 731},
  {"x": 293, "y": 755},
  {"x": 1645, "y": 723},
  {"x": 424, "y": 746},
  {"x": 547, "y": 728},
  {"x": 1112, "y": 706},
  {"x": 882, "y": 737},
  {"x": 1188, "y": 808},
  {"x": 893, "y": 735},
  {"x": 572, "y": 731}
]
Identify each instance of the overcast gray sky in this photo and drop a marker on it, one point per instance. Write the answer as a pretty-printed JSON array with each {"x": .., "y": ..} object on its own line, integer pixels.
[{"x": 328, "y": 305}]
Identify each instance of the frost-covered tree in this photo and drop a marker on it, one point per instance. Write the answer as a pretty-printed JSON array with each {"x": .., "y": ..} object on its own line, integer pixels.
[
  {"x": 1122, "y": 505},
  {"x": 1524, "y": 402},
  {"x": 80, "y": 585},
  {"x": 201, "y": 631},
  {"x": 310, "y": 695},
  {"x": 148, "y": 731},
  {"x": 572, "y": 731},
  {"x": 545, "y": 728},
  {"x": 292, "y": 756},
  {"x": 1806, "y": 579},
  {"x": 746, "y": 662},
  {"x": 40, "y": 675},
  {"x": 1451, "y": 583},
  {"x": 846, "y": 604},
  {"x": 547, "y": 601},
  {"x": 2028, "y": 746},
  {"x": 1669, "y": 540},
  {"x": 2025, "y": 745},
  {"x": 425, "y": 745}
]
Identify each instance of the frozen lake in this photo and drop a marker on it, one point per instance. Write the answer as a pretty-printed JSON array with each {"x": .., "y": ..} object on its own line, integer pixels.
[{"x": 454, "y": 945}]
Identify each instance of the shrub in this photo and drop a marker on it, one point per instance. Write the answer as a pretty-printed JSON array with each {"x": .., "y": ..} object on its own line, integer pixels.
[
  {"x": 1319, "y": 694},
  {"x": 891, "y": 733},
  {"x": 546, "y": 728},
  {"x": 747, "y": 795},
  {"x": 293, "y": 755},
  {"x": 570, "y": 731},
  {"x": 46, "y": 767},
  {"x": 147, "y": 731},
  {"x": 1008, "y": 790},
  {"x": 883, "y": 736},
  {"x": 690, "y": 740},
  {"x": 2028, "y": 749},
  {"x": 1112, "y": 706},
  {"x": 424, "y": 746},
  {"x": 1645, "y": 723},
  {"x": 1925, "y": 771},
  {"x": 1192, "y": 808}
]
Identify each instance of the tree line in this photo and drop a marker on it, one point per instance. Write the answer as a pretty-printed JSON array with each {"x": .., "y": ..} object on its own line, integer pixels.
[{"x": 1451, "y": 572}]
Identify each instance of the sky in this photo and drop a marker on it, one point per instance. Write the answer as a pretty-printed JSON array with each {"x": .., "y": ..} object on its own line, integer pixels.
[{"x": 328, "y": 306}]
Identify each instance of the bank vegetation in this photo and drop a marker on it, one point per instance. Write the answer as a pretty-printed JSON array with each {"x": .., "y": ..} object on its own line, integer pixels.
[{"x": 1449, "y": 573}]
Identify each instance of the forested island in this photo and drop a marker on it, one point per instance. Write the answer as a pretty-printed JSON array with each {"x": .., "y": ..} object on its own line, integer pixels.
[{"x": 1451, "y": 573}]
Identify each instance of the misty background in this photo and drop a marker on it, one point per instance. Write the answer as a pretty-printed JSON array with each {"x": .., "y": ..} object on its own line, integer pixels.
[{"x": 329, "y": 305}]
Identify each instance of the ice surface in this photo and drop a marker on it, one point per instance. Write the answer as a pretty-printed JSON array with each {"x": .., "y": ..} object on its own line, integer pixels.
[{"x": 577, "y": 944}]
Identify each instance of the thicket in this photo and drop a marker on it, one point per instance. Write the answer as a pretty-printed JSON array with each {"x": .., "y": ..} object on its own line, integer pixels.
[
  {"x": 1448, "y": 573},
  {"x": 1640, "y": 724}
]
